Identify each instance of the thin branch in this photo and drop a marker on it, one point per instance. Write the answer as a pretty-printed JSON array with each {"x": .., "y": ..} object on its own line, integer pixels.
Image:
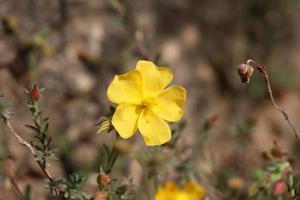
[
  {"x": 263, "y": 70},
  {"x": 9, "y": 170},
  {"x": 16, "y": 188},
  {"x": 19, "y": 138}
]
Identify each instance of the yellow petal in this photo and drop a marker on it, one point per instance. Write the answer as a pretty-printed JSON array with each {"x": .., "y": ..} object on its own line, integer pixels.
[
  {"x": 169, "y": 191},
  {"x": 195, "y": 191},
  {"x": 163, "y": 194},
  {"x": 171, "y": 186},
  {"x": 170, "y": 103},
  {"x": 183, "y": 196},
  {"x": 160, "y": 194},
  {"x": 126, "y": 88},
  {"x": 125, "y": 119},
  {"x": 154, "y": 79},
  {"x": 166, "y": 75},
  {"x": 154, "y": 130}
]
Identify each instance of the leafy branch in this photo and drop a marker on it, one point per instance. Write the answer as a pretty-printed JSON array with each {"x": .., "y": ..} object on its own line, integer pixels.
[
  {"x": 40, "y": 129},
  {"x": 42, "y": 152},
  {"x": 71, "y": 187}
]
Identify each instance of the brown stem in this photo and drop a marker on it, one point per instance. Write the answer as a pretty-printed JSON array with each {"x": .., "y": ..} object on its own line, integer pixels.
[
  {"x": 9, "y": 170},
  {"x": 263, "y": 70},
  {"x": 23, "y": 142}
]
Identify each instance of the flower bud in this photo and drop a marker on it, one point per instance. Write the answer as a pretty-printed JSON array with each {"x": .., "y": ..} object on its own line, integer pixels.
[
  {"x": 245, "y": 71},
  {"x": 279, "y": 188},
  {"x": 35, "y": 93},
  {"x": 105, "y": 125},
  {"x": 236, "y": 183}
]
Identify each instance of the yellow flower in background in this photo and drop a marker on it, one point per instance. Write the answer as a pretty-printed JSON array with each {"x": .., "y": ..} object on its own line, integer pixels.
[
  {"x": 170, "y": 191},
  {"x": 144, "y": 102}
]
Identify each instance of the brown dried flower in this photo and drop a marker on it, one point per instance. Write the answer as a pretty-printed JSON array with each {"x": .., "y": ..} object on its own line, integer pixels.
[
  {"x": 103, "y": 180},
  {"x": 245, "y": 71}
]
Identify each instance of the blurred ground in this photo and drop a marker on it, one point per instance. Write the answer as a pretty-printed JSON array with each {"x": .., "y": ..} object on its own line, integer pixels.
[{"x": 74, "y": 47}]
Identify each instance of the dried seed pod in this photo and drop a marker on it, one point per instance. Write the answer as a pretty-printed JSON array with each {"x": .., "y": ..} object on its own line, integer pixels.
[
  {"x": 245, "y": 71},
  {"x": 103, "y": 180}
]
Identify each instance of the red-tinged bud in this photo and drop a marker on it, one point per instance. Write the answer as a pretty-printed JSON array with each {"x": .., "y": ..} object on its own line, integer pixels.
[
  {"x": 279, "y": 188},
  {"x": 35, "y": 93}
]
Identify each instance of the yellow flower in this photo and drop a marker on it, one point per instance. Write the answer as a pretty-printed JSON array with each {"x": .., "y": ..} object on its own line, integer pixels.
[
  {"x": 144, "y": 102},
  {"x": 170, "y": 191}
]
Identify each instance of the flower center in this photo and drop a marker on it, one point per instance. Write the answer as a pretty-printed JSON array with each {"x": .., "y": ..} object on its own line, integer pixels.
[{"x": 148, "y": 101}]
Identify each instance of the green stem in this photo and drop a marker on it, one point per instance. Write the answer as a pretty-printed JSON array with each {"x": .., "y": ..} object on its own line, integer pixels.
[
  {"x": 148, "y": 182},
  {"x": 291, "y": 184},
  {"x": 113, "y": 156}
]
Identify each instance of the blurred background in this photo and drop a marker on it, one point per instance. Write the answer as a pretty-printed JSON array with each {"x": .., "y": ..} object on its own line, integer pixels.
[{"x": 73, "y": 48}]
